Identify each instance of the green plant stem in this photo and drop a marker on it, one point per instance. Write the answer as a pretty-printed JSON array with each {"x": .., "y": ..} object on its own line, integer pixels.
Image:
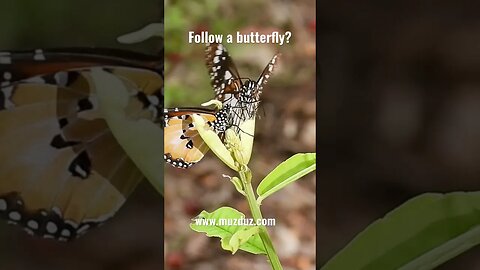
[{"x": 255, "y": 209}]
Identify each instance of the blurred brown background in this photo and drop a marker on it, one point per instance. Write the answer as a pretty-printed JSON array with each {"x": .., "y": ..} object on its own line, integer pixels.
[
  {"x": 133, "y": 239},
  {"x": 399, "y": 111},
  {"x": 285, "y": 126}
]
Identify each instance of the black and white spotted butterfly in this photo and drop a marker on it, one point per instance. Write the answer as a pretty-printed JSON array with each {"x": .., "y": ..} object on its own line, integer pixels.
[
  {"x": 241, "y": 94},
  {"x": 240, "y": 98},
  {"x": 62, "y": 170}
]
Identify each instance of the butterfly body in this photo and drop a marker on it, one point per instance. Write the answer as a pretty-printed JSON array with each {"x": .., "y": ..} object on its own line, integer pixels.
[{"x": 63, "y": 170}]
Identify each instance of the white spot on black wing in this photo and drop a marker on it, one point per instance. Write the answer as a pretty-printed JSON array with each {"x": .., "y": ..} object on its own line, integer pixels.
[
  {"x": 83, "y": 229},
  {"x": 32, "y": 224},
  {"x": 177, "y": 162},
  {"x": 228, "y": 75},
  {"x": 61, "y": 78},
  {"x": 189, "y": 144},
  {"x": 5, "y": 58},
  {"x": 15, "y": 216},
  {"x": 3, "y": 205},
  {"x": 38, "y": 55},
  {"x": 51, "y": 227},
  {"x": 81, "y": 166},
  {"x": 67, "y": 78},
  {"x": 7, "y": 75},
  {"x": 66, "y": 233}
]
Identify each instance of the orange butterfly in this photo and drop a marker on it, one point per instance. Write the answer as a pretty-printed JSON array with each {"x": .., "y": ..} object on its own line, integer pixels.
[{"x": 62, "y": 171}]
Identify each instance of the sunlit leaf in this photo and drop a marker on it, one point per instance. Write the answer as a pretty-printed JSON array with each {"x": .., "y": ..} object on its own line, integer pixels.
[
  {"x": 241, "y": 237},
  {"x": 244, "y": 237},
  {"x": 214, "y": 142},
  {"x": 287, "y": 172},
  {"x": 422, "y": 233}
]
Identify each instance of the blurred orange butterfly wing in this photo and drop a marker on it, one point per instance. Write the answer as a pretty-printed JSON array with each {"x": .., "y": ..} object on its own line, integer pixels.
[
  {"x": 183, "y": 146},
  {"x": 61, "y": 169}
]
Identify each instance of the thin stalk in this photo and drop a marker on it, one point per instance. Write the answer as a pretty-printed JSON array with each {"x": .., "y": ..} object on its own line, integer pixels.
[{"x": 257, "y": 214}]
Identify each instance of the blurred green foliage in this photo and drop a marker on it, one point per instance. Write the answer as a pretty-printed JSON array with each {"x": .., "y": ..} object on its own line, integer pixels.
[
  {"x": 187, "y": 81},
  {"x": 182, "y": 17},
  {"x": 37, "y": 24}
]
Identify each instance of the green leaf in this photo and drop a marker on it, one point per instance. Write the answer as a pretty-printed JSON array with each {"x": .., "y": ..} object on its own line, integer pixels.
[
  {"x": 243, "y": 236},
  {"x": 422, "y": 233},
  {"x": 288, "y": 171},
  {"x": 237, "y": 183}
]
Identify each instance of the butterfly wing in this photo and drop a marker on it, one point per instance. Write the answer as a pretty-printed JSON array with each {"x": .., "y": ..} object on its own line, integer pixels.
[
  {"x": 266, "y": 73},
  {"x": 182, "y": 143},
  {"x": 63, "y": 171},
  {"x": 249, "y": 97},
  {"x": 20, "y": 65},
  {"x": 224, "y": 76}
]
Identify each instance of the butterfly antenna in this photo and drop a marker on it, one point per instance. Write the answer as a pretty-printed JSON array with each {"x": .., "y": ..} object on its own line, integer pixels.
[{"x": 241, "y": 130}]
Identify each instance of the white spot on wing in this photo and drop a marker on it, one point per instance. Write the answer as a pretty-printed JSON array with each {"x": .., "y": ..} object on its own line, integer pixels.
[
  {"x": 61, "y": 78},
  {"x": 7, "y": 75},
  {"x": 81, "y": 171},
  {"x": 3, "y": 205},
  {"x": 51, "y": 227},
  {"x": 228, "y": 75},
  {"x": 154, "y": 100},
  {"x": 83, "y": 229},
  {"x": 5, "y": 58},
  {"x": 15, "y": 216},
  {"x": 66, "y": 233},
  {"x": 39, "y": 56},
  {"x": 32, "y": 224},
  {"x": 57, "y": 210}
]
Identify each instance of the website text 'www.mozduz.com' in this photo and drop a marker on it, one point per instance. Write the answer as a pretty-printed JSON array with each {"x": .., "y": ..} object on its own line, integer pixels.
[{"x": 235, "y": 222}]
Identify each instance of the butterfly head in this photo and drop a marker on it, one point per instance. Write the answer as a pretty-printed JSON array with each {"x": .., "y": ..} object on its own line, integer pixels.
[{"x": 249, "y": 87}]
